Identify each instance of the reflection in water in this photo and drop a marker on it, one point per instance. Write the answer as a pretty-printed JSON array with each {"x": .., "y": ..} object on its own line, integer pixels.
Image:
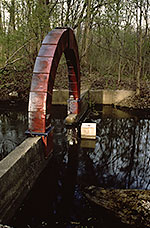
[
  {"x": 12, "y": 127},
  {"x": 121, "y": 158},
  {"x": 55, "y": 200}
]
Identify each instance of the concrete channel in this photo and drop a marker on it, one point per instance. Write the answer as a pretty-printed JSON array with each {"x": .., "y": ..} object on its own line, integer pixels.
[{"x": 20, "y": 169}]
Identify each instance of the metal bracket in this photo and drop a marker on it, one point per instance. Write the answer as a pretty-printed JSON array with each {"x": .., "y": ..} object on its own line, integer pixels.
[{"x": 45, "y": 134}]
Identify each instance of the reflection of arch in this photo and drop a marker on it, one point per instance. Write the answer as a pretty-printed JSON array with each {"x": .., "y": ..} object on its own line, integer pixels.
[{"x": 58, "y": 41}]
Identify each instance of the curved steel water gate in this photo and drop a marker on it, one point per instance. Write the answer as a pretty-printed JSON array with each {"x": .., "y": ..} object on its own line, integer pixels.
[{"x": 57, "y": 42}]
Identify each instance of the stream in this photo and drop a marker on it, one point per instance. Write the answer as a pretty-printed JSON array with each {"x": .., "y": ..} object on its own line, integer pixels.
[{"x": 118, "y": 158}]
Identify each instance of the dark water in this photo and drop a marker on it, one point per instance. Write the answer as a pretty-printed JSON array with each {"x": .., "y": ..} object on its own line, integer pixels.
[
  {"x": 120, "y": 158},
  {"x": 13, "y": 123}
]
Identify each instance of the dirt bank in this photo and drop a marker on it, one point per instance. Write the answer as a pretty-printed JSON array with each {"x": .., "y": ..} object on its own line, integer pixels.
[
  {"x": 20, "y": 84},
  {"x": 137, "y": 102},
  {"x": 94, "y": 81}
]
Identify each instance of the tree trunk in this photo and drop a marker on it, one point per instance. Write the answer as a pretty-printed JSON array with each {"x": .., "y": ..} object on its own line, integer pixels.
[
  {"x": 86, "y": 34},
  {"x": 138, "y": 82},
  {"x": 87, "y": 25},
  {"x": 12, "y": 16},
  {"x": 119, "y": 70},
  {"x": 139, "y": 45},
  {"x": 67, "y": 13},
  {"x": 1, "y": 26},
  {"x": 118, "y": 37},
  {"x": 62, "y": 13}
]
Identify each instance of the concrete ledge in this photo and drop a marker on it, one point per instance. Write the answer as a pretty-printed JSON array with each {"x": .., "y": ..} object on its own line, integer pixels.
[
  {"x": 18, "y": 172},
  {"x": 107, "y": 97}
]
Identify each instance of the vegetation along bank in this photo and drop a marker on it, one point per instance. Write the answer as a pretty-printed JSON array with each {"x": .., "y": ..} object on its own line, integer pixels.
[{"x": 113, "y": 40}]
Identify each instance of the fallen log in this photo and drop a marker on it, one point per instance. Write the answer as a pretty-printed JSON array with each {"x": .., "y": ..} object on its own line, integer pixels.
[{"x": 130, "y": 206}]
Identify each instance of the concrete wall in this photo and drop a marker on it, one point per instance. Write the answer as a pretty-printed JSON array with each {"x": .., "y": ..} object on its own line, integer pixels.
[
  {"x": 60, "y": 96},
  {"x": 18, "y": 172},
  {"x": 107, "y": 97}
]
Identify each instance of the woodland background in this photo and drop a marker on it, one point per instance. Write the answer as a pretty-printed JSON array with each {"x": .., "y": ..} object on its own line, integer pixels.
[{"x": 113, "y": 38}]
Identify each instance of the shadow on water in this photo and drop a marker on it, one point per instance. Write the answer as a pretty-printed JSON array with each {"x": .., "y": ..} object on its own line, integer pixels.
[
  {"x": 13, "y": 123},
  {"x": 119, "y": 159}
]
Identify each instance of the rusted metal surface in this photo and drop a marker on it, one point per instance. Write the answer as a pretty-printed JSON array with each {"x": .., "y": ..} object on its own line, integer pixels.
[{"x": 57, "y": 41}]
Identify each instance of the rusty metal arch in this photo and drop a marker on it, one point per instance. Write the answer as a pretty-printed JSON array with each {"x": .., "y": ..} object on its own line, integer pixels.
[{"x": 57, "y": 42}]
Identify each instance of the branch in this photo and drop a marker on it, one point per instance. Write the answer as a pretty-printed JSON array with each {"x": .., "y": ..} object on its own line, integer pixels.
[
  {"x": 9, "y": 63},
  {"x": 115, "y": 52},
  {"x": 81, "y": 18},
  {"x": 51, "y": 10},
  {"x": 6, "y": 63},
  {"x": 85, "y": 51},
  {"x": 3, "y": 68}
]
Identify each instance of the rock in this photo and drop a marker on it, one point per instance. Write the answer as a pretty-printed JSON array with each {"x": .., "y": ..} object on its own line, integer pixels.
[
  {"x": 4, "y": 226},
  {"x": 131, "y": 206},
  {"x": 13, "y": 94}
]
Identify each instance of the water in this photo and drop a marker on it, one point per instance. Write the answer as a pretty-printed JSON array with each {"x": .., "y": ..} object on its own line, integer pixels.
[
  {"x": 120, "y": 158},
  {"x": 13, "y": 123}
]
